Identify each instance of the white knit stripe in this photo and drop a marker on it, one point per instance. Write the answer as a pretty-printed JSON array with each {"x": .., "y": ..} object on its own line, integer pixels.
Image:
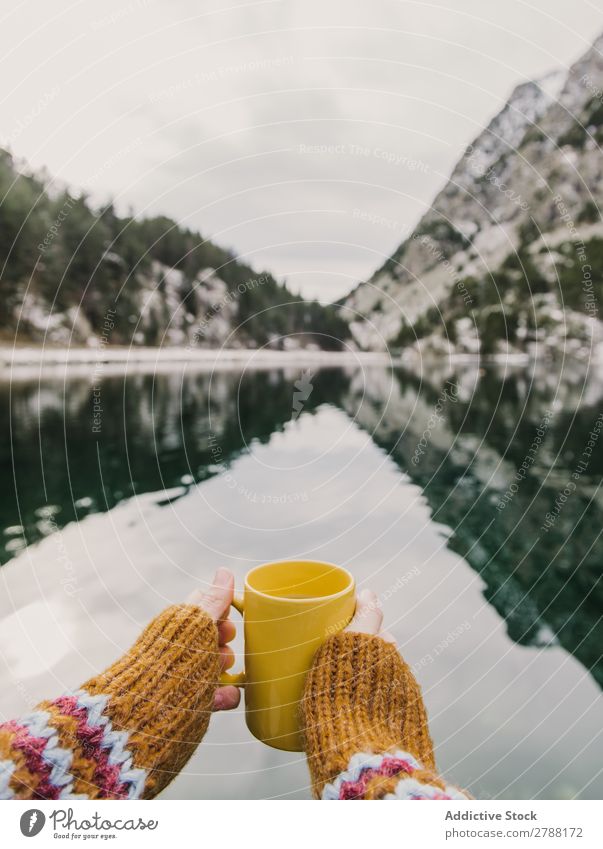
[
  {"x": 59, "y": 759},
  {"x": 114, "y": 742},
  {"x": 94, "y": 707},
  {"x": 37, "y": 724},
  {"x": 455, "y": 793},
  {"x": 410, "y": 788},
  {"x": 6, "y": 770}
]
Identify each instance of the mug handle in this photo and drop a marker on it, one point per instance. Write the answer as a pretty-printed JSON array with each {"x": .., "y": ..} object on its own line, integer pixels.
[{"x": 237, "y": 678}]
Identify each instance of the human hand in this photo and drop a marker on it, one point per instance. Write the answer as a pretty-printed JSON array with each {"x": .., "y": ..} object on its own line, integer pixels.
[
  {"x": 368, "y": 618},
  {"x": 216, "y": 601},
  {"x": 361, "y": 697}
]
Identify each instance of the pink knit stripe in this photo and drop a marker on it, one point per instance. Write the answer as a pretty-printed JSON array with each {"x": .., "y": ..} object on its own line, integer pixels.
[
  {"x": 90, "y": 738},
  {"x": 394, "y": 766},
  {"x": 33, "y": 751},
  {"x": 388, "y": 768}
]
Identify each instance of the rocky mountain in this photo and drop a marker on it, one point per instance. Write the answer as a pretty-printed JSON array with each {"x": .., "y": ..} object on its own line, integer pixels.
[
  {"x": 509, "y": 257},
  {"x": 71, "y": 274}
]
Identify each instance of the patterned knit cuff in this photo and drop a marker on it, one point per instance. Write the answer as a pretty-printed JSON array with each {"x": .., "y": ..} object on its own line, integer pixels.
[
  {"x": 69, "y": 750},
  {"x": 127, "y": 732},
  {"x": 390, "y": 776}
]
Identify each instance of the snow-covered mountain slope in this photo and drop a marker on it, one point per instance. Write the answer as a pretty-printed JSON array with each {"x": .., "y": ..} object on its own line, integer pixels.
[{"x": 479, "y": 270}]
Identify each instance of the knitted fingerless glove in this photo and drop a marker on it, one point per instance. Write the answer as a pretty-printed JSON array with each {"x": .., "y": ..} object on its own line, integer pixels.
[
  {"x": 127, "y": 732},
  {"x": 365, "y": 724}
]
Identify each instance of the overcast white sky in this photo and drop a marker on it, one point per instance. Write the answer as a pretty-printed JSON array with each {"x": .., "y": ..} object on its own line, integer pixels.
[{"x": 206, "y": 111}]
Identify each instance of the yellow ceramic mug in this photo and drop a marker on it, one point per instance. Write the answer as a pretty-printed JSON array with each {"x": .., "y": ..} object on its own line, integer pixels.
[{"x": 289, "y": 610}]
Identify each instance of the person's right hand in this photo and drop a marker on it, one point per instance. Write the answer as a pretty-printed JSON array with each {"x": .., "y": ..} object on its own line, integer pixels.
[{"x": 368, "y": 618}]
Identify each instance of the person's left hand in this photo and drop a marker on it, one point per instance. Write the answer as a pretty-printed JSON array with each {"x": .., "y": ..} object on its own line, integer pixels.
[{"x": 216, "y": 601}]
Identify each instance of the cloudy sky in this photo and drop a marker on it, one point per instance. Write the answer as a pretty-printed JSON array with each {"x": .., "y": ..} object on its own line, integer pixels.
[{"x": 308, "y": 135}]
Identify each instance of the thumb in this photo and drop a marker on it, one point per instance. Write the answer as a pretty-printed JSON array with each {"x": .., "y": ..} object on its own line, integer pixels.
[
  {"x": 216, "y": 600},
  {"x": 368, "y": 617}
]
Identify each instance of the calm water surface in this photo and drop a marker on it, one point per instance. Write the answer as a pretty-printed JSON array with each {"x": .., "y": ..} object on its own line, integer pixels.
[{"x": 489, "y": 578}]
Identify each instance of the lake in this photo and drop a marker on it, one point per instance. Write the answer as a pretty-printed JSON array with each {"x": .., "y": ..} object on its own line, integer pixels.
[{"x": 468, "y": 498}]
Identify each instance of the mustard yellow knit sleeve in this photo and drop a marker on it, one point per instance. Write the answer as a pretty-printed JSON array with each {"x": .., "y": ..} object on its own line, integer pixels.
[
  {"x": 125, "y": 733},
  {"x": 365, "y": 725}
]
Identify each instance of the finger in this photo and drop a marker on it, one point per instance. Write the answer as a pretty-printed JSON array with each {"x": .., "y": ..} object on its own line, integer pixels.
[
  {"x": 227, "y": 698},
  {"x": 217, "y": 598},
  {"x": 368, "y": 617},
  {"x": 226, "y": 632},
  {"x": 227, "y": 657},
  {"x": 388, "y": 637}
]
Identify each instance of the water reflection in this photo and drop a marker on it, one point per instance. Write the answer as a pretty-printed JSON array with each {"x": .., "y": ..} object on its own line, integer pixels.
[
  {"x": 156, "y": 432},
  {"x": 499, "y": 455},
  {"x": 159, "y": 432}
]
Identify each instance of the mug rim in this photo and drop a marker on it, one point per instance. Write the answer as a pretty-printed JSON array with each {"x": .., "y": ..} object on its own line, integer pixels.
[{"x": 351, "y": 581}]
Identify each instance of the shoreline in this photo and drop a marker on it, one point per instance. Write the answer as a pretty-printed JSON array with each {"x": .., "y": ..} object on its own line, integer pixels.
[
  {"x": 38, "y": 355},
  {"x": 33, "y": 359}
]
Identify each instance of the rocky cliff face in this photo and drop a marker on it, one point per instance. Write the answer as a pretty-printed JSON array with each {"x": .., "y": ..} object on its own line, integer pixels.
[
  {"x": 165, "y": 309},
  {"x": 510, "y": 254}
]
